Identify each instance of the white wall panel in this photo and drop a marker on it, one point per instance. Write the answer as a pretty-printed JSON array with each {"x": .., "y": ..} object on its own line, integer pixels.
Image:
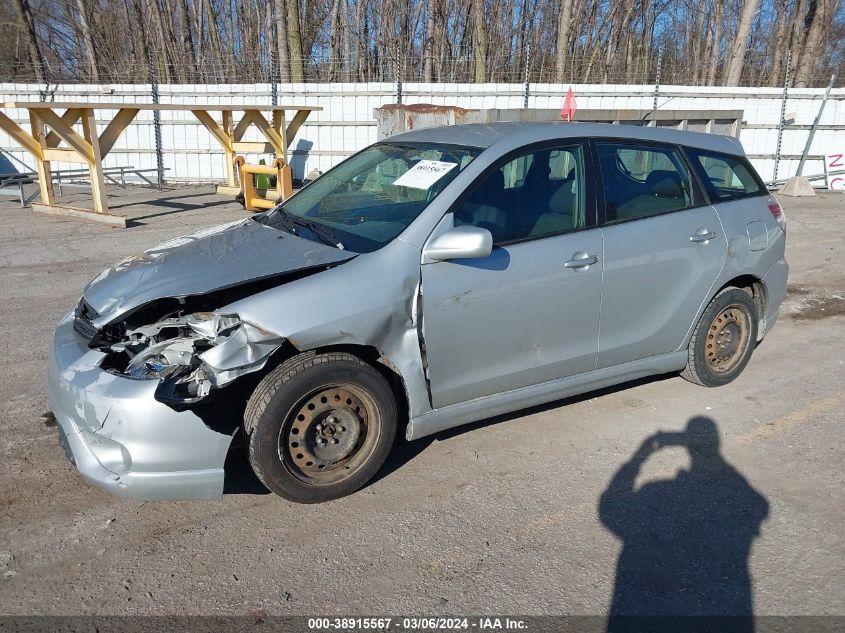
[{"x": 346, "y": 124}]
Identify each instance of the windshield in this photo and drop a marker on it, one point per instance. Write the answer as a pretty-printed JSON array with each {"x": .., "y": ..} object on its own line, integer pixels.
[{"x": 369, "y": 199}]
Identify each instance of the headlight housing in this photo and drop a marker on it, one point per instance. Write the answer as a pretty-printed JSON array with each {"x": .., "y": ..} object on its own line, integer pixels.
[{"x": 193, "y": 354}]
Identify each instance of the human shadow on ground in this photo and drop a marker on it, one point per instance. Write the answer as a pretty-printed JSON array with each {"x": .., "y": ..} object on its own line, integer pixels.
[{"x": 685, "y": 541}]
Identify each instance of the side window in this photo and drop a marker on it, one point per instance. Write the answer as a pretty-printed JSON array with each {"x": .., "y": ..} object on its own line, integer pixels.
[
  {"x": 538, "y": 193},
  {"x": 726, "y": 177},
  {"x": 640, "y": 180}
]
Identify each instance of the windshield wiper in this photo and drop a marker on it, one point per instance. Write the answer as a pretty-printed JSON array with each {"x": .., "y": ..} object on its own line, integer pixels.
[{"x": 326, "y": 236}]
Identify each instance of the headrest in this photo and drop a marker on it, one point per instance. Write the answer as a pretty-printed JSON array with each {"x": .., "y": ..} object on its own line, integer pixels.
[
  {"x": 496, "y": 181},
  {"x": 490, "y": 191},
  {"x": 563, "y": 199},
  {"x": 539, "y": 170},
  {"x": 664, "y": 183},
  {"x": 392, "y": 168}
]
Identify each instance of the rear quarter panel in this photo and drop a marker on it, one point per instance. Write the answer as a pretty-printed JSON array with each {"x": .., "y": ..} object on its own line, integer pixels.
[
  {"x": 755, "y": 243},
  {"x": 751, "y": 250}
]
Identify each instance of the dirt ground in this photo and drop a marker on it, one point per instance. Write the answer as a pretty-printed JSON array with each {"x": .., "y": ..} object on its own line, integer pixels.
[{"x": 503, "y": 516}]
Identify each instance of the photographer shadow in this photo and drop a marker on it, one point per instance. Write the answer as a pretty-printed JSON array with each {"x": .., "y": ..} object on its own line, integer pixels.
[{"x": 685, "y": 541}]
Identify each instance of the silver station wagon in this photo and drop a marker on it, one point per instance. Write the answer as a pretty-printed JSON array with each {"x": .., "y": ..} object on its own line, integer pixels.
[{"x": 436, "y": 278}]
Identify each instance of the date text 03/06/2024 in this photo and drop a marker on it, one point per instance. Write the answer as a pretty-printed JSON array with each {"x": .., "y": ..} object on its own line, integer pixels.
[{"x": 416, "y": 624}]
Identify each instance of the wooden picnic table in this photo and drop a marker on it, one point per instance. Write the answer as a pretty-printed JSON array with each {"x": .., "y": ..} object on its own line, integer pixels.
[{"x": 49, "y": 129}]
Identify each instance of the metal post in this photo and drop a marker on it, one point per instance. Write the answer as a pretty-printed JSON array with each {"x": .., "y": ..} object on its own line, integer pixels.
[
  {"x": 782, "y": 113},
  {"x": 527, "y": 75},
  {"x": 398, "y": 75},
  {"x": 156, "y": 118},
  {"x": 274, "y": 64},
  {"x": 786, "y": 80},
  {"x": 815, "y": 126},
  {"x": 657, "y": 79}
]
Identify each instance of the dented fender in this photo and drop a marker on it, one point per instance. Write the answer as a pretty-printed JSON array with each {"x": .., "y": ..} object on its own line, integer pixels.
[{"x": 346, "y": 306}]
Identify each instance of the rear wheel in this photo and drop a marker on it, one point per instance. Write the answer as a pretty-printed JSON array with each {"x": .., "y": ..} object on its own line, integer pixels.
[
  {"x": 723, "y": 340},
  {"x": 320, "y": 426}
]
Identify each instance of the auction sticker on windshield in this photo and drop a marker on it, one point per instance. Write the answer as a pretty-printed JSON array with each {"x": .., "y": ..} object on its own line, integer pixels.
[{"x": 424, "y": 174}]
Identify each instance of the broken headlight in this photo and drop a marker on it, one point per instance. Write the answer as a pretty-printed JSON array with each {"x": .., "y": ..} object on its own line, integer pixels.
[{"x": 195, "y": 353}]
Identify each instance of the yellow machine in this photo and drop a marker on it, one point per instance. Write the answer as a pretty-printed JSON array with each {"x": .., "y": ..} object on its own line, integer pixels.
[{"x": 251, "y": 197}]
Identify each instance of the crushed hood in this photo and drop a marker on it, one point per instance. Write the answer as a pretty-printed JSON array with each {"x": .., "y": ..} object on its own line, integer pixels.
[{"x": 209, "y": 260}]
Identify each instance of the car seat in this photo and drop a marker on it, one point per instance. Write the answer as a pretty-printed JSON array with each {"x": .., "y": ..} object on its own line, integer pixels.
[
  {"x": 561, "y": 214},
  {"x": 481, "y": 209},
  {"x": 664, "y": 192}
]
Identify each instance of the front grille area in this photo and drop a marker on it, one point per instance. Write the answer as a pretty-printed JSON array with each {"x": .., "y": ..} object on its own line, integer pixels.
[{"x": 82, "y": 320}]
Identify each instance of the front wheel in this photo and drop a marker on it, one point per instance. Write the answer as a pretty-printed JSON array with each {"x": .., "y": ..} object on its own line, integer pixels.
[
  {"x": 320, "y": 426},
  {"x": 723, "y": 340}
]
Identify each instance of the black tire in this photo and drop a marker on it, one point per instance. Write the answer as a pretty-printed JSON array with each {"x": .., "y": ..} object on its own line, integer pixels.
[
  {"x": 320, "y": 426},
  {"x": 723, "y": 340}
]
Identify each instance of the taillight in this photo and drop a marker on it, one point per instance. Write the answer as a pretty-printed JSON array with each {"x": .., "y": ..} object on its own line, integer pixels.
[{"x": 777, "y": 213}]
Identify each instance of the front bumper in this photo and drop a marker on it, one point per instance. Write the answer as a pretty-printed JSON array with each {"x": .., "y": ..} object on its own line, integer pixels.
[{"x": 120, "y": 437}]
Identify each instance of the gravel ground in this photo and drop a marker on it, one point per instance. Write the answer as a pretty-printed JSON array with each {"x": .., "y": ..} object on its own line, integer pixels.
[{"x": 502, "y": 516}]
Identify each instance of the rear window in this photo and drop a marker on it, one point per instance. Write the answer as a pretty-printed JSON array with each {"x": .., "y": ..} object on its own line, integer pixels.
[
  {"x": 640, "y": 180},
  {"x": 726, "y": 177}
]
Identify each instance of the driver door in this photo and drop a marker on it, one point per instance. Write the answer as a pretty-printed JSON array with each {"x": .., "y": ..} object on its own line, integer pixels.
[{"x": 528, "y": 313}]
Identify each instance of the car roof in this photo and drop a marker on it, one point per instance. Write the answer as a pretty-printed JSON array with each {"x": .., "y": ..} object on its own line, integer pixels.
[{"x": 515, "y": 134}]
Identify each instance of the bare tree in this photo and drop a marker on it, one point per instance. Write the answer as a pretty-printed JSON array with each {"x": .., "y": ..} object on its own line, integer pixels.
[
  {"x": 297, "y": 68},
  {"x": 211, "y": 26},
  {"x": 736, "y": 60},
  {"x": 186, "y": 27},
  {"x": 282, "y": 51},
  {"x": 28, "y": 26},
  {"x": 781, "y": 43},
  {"x": 479, "y": 40},
  {"x": 702, "y": 41},
  {"x": 87, "y": 39},
  {"x": 818, "y": 15}
]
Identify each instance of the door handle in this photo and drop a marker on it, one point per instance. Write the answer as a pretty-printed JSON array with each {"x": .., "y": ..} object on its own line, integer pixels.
[
  {"x": 581, "y": 260},
  {"x": 702, "y": 237}
]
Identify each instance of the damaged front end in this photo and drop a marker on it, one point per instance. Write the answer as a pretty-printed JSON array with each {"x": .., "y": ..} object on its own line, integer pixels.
[
  {"x": 133, "y": 372},
  {"x": 190, "y": 354}
]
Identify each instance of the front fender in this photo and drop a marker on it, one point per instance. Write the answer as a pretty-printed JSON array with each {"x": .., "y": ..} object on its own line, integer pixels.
[{"x": 369, "y": 301}]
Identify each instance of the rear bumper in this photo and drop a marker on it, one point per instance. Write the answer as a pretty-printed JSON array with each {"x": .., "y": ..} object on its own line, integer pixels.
[
  {"x": 120, "y": 437},
  {"x": 774, "y": 281}
]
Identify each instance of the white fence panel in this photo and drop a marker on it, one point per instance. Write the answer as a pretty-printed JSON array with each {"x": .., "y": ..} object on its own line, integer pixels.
[{"x": 346, "y": 123}]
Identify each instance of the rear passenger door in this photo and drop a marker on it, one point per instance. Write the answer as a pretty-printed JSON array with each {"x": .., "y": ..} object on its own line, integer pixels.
[{"x": 664, "y": 248}]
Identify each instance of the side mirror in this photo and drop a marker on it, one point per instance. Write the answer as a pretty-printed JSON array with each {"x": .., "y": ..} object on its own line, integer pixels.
[{"x": 462, "y": 242}]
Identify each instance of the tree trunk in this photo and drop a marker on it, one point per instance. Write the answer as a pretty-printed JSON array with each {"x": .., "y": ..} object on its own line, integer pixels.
[
  {"x": 141, "y": 24},
  {"x": 334, "y": 43},
  {"x": 187, "y": 31},
  {"x": 27, "y": 24},
  {"x": 161, "y": 58},
  {"x": 282, "y": 52},
  {"x": 564, "y": 26},
  {"x": 87, "y": 41},
  {"x": 297, "y": 67},
  {"x": 214, "y": 39},
  {"x": 737, "y": 58},
  {"x": 479, "y": 41},
  {"x": 362, "y": 42},
  {"x": 715, "y": 44},
  {"x": 781, "y": 44},
  {"x": 346, "y": 39},
  {"x": 818, "y": 13},
  {"x": 428, "y": 43}
]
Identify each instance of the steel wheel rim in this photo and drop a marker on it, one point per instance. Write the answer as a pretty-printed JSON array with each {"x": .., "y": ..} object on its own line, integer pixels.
[
  {"x": 330, "y": 434},
  {"x": 727, "y": 339}
]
